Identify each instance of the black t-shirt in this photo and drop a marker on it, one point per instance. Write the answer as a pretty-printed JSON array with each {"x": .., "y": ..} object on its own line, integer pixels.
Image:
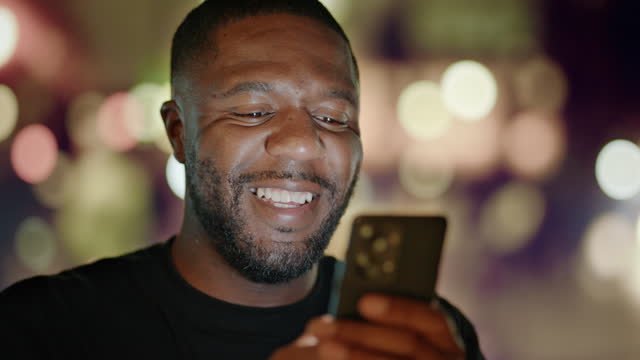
[{"x": 137, "y": 306}]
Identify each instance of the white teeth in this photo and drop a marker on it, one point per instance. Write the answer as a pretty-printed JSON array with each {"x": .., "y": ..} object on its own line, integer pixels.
[
  {"x": 275, "y": 195},
  {"x": 283, "y": 197},
  {"x": 286, "y": 206},
  {"x": 300, "y": 198}
]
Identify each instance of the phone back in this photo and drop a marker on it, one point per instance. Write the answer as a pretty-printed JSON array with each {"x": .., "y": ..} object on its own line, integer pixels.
[{"x": 395, "y": 255}]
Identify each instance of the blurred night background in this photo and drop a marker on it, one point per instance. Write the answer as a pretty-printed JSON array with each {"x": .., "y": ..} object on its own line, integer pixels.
[{"x": 519, "y": 120}]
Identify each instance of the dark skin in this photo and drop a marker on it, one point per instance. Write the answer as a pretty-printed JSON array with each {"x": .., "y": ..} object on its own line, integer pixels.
[{"x": 280, "y": 93}]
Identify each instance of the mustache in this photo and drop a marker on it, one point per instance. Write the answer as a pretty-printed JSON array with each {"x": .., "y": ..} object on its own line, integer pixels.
[{"x": 287, "y": 175}]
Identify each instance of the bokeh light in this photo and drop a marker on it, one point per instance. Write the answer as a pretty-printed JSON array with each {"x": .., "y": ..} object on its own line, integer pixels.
[
  {"x": 108, "y": 212},
  {"x": 469, "y": 90},
  {"x": 34, "y": 153},
  {"x": 149, "y": 126},
  {"x": 496, "y": 27},
  {"x": 609, "y": 246},
  {"x": 638, "y": 232},
  {"x": 422, "y": 112},
  {"x": 618, "y": 169},
  {"x": 425, "y": 175},
  {"x": 163, "y": 144},
  {"x": 541, "y": 84},
  {"x": 473, "y": 148},
  {"x": 44, "y": 50},
  {"x": 338, "y": 8},
  {"x": 53, "y": 191},
  {"x": 82, "y": 120},
  {"x": 631, "y": 281},
  {"x": 114, "y": 118},
  {"x": 176, "y": 177},
  {"x": 35, "y": 244},
  {"x": 8, "y": 35},
  {"x": 8, "y": 111},
  {"x": 511, "y": 217},
  {"x": 377, "y": 107},
  {"x": 534, "y": 145}
]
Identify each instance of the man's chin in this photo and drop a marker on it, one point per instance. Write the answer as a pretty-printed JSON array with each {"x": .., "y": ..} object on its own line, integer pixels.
[{"x": 278, "y": 262}]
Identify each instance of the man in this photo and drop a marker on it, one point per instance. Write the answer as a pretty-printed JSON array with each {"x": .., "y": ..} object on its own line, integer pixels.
[{"x": 265, "y": 117}]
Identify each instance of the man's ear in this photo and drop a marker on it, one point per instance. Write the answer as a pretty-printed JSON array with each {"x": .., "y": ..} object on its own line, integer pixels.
[{"x": 174, "y": 127}]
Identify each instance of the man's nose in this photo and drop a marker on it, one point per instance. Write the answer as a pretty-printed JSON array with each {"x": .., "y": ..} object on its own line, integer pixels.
[{"x": 295, "y": 136}]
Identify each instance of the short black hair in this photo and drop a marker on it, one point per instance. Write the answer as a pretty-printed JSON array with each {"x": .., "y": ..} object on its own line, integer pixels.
[{"x": 194, "y": 33}]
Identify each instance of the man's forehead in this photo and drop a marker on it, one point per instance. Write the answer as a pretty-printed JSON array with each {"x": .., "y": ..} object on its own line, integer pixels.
[
  {"x": 232, "y": 71},
  {"x": 269, "y": 42},
  {"x": 279, "y": 28},
  {"x": 258, "y": 46},
  {"x": 275, "y": 21}
]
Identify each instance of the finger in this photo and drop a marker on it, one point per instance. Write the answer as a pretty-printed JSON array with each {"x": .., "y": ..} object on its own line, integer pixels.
[
  {"x": 428, "y": 321},
  {"x": 335, "y": 350},
  {"x": 379, "y": 338},
  {"x": 321, "y": 327},
  {"x": 376, "y": 337},
  {"x": 306, "y": 347}
]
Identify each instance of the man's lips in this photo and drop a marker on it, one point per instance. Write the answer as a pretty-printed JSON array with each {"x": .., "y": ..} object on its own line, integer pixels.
[
  {"x": 286, "y": 190},
  {"x": 286, "y": 202},
  {"x": 283, "y": 198}
]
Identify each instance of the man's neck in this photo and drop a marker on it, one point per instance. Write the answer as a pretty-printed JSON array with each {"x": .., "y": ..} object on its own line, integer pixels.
[{"x": 202, "y": 267}]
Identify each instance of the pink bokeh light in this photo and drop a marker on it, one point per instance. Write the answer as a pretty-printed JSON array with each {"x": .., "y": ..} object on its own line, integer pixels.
[
  {"x": 34, "y": 153},
  {"x": 114, "y": 114}
]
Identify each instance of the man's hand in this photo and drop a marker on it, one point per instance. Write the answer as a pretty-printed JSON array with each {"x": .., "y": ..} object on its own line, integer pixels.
[{"x": 397, "y": 328}]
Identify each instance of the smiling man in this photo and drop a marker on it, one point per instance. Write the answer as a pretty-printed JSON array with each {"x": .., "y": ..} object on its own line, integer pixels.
[{"x": 264, "y": 115}]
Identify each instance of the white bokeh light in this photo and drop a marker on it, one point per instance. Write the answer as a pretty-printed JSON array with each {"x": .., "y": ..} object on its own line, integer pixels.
[
  {"x": 421, "y": 111},
  {"x": 469, "y": 90},
  {"x": 609, "y": 246},
  {"x": 8, "y": 111},
  {"x": 338, "y": 8},
  {"x": 618, "y": 169},
  {"x": 632, "y": 280},
  {"x": 8, "y": 35},
  {"x": 150, "y": 97},
  {"x": 176, "y": 177}
]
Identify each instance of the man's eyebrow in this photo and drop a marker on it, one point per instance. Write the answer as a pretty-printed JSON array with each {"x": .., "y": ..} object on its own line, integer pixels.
[
  {"x": 347, "y": 95},
  {"x": 250, "y": 86}
]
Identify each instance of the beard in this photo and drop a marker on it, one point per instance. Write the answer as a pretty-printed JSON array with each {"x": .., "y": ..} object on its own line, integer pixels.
[{"x": 258, "y": 259}]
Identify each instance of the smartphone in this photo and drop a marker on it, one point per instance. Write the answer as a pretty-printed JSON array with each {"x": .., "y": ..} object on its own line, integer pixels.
[{"x": 395, "y": 255}]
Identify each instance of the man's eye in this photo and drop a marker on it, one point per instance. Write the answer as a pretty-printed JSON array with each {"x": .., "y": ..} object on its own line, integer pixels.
[
  {"x": 331, "y": 121},
  {"x": 253, "y": 114}
]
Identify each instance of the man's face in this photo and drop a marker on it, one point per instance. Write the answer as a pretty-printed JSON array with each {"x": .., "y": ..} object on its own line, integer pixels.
[{"x": 272, "y": 143}]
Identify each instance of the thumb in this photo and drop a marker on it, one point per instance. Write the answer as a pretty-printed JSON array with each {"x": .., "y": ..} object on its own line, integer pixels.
[{"x": 305, "y": 347}]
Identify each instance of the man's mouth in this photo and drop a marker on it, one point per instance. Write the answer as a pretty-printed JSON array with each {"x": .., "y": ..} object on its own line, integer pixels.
[{"x": 283, "y": 198}]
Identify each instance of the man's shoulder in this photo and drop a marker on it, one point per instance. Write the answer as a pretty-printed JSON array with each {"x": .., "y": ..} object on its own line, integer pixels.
[
  {"x": 82, "y": 281},
  {"x": 84, "y": 310}
]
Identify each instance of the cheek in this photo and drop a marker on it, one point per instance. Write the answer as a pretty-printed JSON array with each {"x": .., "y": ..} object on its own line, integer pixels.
[
  {"x": 345, "y": 155},
  {"x": 232, "y": 150}
]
